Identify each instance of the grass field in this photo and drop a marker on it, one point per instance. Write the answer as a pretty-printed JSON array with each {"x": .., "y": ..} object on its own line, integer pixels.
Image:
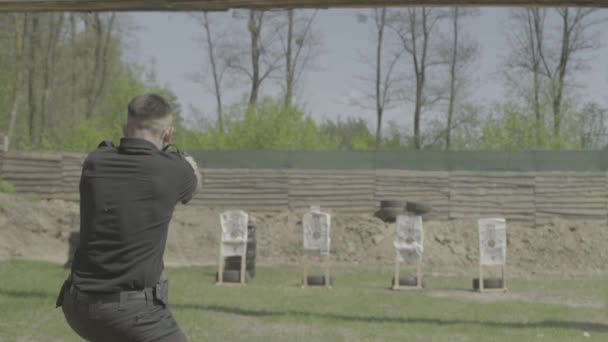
[{"x": 359, "y": 308}]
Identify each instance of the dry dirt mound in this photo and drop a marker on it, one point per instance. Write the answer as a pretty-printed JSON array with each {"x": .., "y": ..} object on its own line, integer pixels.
[
  {"x": 39, "y": 229},
  {"x": 36, "y": 229}
]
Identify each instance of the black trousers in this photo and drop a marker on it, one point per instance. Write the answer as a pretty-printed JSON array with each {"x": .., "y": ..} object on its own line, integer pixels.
[{"x": 130, "y": 320}]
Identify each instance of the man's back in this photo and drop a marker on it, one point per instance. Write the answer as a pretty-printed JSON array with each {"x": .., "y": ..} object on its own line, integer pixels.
[{"x": 127, "y": 197}]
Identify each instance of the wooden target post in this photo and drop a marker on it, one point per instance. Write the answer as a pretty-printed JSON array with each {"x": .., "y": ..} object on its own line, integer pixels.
[
  {"x": 317, "y": 241},
  {"x": 408, "y": 243},
  {"x": 492, "y": 250},
  {"x": 233, "y": 242}
]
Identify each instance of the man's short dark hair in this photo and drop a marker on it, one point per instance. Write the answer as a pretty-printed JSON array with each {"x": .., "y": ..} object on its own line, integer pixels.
[{"x": 149, "y": 107}]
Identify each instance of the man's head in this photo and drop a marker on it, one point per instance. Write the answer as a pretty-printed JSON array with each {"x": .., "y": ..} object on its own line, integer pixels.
[{"x": 150, "y": 118}]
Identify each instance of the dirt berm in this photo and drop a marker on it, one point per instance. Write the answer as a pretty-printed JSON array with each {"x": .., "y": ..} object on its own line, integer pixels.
[{"x": 39, "y": 229}]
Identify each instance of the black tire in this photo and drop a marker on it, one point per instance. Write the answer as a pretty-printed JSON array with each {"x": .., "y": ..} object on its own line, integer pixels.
[
  {"x": 231, "y": 276},
  {"x": 236, "y": 266},
  {"x": 488, "y": 283},
  {"x": 315, "y": 280},
  {"x": 250, "y": 265},
  {"x": 232, "y": 260},
  {"x": 236, "y": 260},
  {"x": 391, "y": 204},
  {"x": 418, "y": 208},
  {"x": 389, "y": 214},
  {"x": 406, "y": 281}
]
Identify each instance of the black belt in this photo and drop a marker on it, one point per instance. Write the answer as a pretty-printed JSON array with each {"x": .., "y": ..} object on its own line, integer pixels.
[{"x": 113, "y": 297}]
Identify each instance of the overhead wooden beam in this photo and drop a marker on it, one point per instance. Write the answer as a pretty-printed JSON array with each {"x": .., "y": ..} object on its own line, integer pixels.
[{"x": 221, "y": 5}]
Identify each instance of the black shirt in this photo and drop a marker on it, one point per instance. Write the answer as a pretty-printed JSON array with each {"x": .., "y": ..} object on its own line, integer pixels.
[{"x": 127, "y": 197}]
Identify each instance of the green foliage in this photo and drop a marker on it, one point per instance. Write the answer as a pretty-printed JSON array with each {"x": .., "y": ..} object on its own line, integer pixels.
[
  {"x": 351, "y": 134},
  {"x": 511, "y": 127},
  {"x": 270, "y": 126},
  {"x": 6, "y": 187}
]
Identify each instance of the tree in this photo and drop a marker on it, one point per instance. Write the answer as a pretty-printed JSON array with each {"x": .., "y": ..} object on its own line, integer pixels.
[
  {"x": 527, "y": 46},
  {"x": 102, "y": 39},
  {"x": 510, "y": 127},
  {"x": 17, "y": 83},
  {"x": 300, "y": 46},
  {"x": 217, "y": 64},
  {"x": 45, "y": 65},
  {"x": 574, "y": 39},
  {"x": 417, "y": 30},
  {"x": 386, "y": 80},
  {"x": 349, "y": 134},
  {"x": 33, "y": 34},
  {"x": 461, "y": 54},
  {"x": 592, "y": 120},
  {"x": 55, "y": 28},
  {"x": 551, "y": 62},
  {"x": 262, "y": 56}
]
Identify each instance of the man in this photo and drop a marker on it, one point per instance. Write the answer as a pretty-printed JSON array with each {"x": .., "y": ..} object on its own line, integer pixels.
[{"x": 127, "y": 197}]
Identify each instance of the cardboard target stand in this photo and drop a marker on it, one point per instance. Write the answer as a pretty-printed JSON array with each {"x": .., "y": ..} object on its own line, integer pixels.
[
  {"x": 409, "y": 246},
  {"x": 492, "y": 249},
  {"x": 233, "y": 241},
  {"x": 317, "y": 240}
]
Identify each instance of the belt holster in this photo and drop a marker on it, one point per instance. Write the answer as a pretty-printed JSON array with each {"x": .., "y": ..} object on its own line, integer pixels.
[
  {"x": 67, "y": 284},
  {"x": 161, "y": 291}
]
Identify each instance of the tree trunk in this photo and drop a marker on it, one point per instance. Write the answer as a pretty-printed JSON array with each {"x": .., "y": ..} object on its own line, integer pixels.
[
  {"x": 255, "y": 25},
  {"x": 420, "y": 71},
  {"x": 74, "y": 70},
  {"x": 536, "y": 46},
  {"x": 216, "y": 80},
  {"x": 558, "y": 85},
  {"x": 104, "y": 72},
  {"x": 448, "y": 134},
  {"x": 379, "y": 95},
  {"x": 97, "y": 55},
  {"x": 16, "y": 98},
  {"x": 417, "y": 113},
  {"x": 32, "y": 70},
  {"x": 289, "y": 72},
  {"x": 55, "y": 28}
]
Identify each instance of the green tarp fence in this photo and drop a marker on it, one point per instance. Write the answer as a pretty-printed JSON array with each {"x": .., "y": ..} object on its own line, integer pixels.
[{"x": 581, "y": 161}]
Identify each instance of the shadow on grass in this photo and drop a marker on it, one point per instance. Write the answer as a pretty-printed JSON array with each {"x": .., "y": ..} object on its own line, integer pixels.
[
  {"x": 552, "y": 324},
  {"x": 584, "y": 326}
]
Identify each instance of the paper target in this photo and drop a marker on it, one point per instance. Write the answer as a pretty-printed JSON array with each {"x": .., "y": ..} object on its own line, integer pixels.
[
  {"x": 315, "y": 208},
  {"x": 492, "y": 241},
  {"x": 233, "y": 249},
  {"x": 317, "y": 233},
  {"x": 234, "y": 232},
  {"x": 409, "y": 239}
]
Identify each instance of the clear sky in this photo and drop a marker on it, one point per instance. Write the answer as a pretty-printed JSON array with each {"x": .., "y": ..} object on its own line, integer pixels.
[{"x": 170, "y": 40}]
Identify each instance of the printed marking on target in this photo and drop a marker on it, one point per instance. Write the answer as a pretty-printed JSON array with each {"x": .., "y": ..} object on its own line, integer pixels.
[
  {"x": 317, "y": 241},
  {"x": 492, "y": 248},
  {"x": 233, "y": 241},
  {"x": 409, "y": 247}
]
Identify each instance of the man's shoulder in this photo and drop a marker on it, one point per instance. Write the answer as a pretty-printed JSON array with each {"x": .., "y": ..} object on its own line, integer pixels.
[{"x": 103, "y": 148}]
